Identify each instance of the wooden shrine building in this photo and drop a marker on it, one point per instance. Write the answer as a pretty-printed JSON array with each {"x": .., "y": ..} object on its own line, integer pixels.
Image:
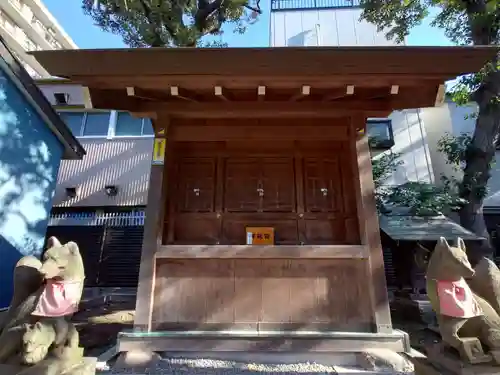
[{"x": 261, "y": 228}]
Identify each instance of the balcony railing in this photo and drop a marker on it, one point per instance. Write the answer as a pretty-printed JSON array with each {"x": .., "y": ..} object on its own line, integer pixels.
[{"x": 277, "y": 5}]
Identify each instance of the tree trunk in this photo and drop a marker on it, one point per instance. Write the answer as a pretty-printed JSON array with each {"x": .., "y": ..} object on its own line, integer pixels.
[
  {"x": 481, "y": 152},
  {"x": 479, "y": 157}
]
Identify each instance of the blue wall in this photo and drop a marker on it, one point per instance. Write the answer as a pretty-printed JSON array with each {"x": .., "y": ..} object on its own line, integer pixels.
[{"x": 29, "y": 161}]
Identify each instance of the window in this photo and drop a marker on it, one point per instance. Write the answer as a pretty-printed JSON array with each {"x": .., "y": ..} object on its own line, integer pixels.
[
  {"x": 30, "y": 45},
  {"x": 61, "y": 98},
  {"x": 74, "y": 121},
  {"x": 17, "y": 4},
  {"x": 127, "y": 125},
  {"x": 380, "y": 133},
  {"x": 93, "y": 124},
  {"x": 96, "y": 124}
]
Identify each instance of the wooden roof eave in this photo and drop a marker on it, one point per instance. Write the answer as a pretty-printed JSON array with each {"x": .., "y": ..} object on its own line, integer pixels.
[
  {"x": 275, "y": 61},
  {"x": 152, "y": 79}
]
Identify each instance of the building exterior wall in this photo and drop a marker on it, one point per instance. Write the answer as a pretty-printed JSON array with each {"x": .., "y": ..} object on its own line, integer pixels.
[
  {"x": 74, "y": 93},
  {"x": 124, "y": 163},
  {"x": 323, "y": 27},
  {"x": 112, "y": 159},
  {"x": 29, "y": 161},
  {"x": 27, "y": 25},
  {"x": 411, "y": 143},
  {"x": 337, "y": 23}
]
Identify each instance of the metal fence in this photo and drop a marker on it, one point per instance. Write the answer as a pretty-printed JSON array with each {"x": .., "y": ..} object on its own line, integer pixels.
[
  {"x": 115, "y": 219},
  {"x": 277, "y": 5}
]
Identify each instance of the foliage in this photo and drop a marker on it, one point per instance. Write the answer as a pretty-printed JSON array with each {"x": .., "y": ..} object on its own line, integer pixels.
[
  {"x": 420, "y": 198},
  {"x": 383, "y": 165},
  {"x": 424, "y": 198},
  {"x": 167, "y": 23},
  {"x": 465, "y": 22},
  {"x": 454, "y": 148}
]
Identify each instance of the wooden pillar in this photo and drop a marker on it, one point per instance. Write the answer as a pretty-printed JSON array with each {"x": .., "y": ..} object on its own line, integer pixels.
[
  {"x": 369, "y": 226},
  {"x": 153, "y": 229}
]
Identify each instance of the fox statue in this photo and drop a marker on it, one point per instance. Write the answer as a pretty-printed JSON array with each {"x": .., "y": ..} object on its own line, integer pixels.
[
  {"x": 36, "y": 332},
  {"x": 466, "y": 302}
]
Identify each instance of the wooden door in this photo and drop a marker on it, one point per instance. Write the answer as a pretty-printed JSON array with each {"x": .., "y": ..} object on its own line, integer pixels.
[
  {"x": 195, "y": 220},
  {"x": 242, "y": 183},
  {"x": 259, "y": 192},
  {"x": 217, "y": 194},
  {"x": 328, "y": 216}
]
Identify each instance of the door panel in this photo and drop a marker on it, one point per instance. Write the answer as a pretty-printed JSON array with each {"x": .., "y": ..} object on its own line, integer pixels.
[
  {"x": 241, "y": 185},
  {"x": 195, "y": 221},
  {"x": 196, "y": 186},
  {"x": 277, "y": 183},
  {"x": 260, "y": 190},
  {"x": 323, "y": 181}
]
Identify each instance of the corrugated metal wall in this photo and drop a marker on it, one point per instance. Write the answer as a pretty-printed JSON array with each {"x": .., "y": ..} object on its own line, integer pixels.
[
  {"x": 125, "y": 163},
  {"x": 110, "y": 245}
]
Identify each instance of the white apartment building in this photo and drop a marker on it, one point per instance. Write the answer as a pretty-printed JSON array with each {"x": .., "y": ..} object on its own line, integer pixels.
[
  {"x": 27, "y": 25},
  {"x": 412, "y": 133},
  {"x": 337, "y": 23}
]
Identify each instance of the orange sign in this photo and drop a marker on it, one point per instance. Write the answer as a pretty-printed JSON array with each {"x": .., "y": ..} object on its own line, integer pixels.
[{"x": 260, "y": 236}]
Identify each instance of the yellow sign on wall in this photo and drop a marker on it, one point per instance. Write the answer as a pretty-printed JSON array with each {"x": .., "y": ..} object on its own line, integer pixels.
[
  {"x": 260, "y": 236},
  {"x": 159, "y": 148}
]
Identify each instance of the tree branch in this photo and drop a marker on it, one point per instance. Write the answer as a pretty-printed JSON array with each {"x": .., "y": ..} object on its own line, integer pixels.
[
  {"x": 204, "y": 11},
  {"x": 157, "y": 40}
]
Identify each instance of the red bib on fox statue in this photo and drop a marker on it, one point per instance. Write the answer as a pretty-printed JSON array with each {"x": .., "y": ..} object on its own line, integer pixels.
[
  {"x": 456, "y": 299},
  {"x": 59, "y": 298}
]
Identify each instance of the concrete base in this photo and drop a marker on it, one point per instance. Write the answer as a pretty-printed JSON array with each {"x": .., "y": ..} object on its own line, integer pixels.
[{"x": 262, "y": 341}]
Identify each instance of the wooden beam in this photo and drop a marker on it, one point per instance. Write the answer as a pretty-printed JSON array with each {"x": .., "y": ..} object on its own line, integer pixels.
[
  {"x": 440, "y": 96},
  {"x": 219, "y": 93},
  {"x": 87, "y": 99},
  {"x": 339, "y": 94},
  {"x": 262, "y": 252},
  {"x": 304, "y": 91},
  {"x": 174, "y": 91},
  {"x": 327, "y": 82},
  {"x": 266, "y": 109},
  {"x": 196, "y": 133},
  {"x": 153, "y": 233},
  {"x": 151, "y": 115},
  {"x": 147, "y": 94},
  {"x": 261, "y": 92},
  {"x": 368, "y": 225}
]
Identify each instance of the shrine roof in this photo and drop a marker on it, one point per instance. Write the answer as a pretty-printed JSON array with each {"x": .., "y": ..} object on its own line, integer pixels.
[{"x": 320, "y": 78}]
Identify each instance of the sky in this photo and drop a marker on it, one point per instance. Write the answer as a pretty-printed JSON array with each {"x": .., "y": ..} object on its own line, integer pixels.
[{"x": 86, "y": 35}]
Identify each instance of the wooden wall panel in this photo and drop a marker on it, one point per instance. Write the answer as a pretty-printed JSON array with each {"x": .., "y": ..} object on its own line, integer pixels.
[
  {"x": 302, "y": 188},
  {"x": 234, "y": 229},
  {"x": 265, "y": 294},
  {"x": 192, "y": 229}
]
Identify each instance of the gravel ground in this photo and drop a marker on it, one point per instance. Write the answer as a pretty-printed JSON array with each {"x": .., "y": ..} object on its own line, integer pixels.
[{"x": 217, "y": 367}]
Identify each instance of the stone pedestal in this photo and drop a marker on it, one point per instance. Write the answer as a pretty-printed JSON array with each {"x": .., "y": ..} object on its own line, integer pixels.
[
  {"x": 450, "y": 363},
  {"x": 87, "y": 366}
]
